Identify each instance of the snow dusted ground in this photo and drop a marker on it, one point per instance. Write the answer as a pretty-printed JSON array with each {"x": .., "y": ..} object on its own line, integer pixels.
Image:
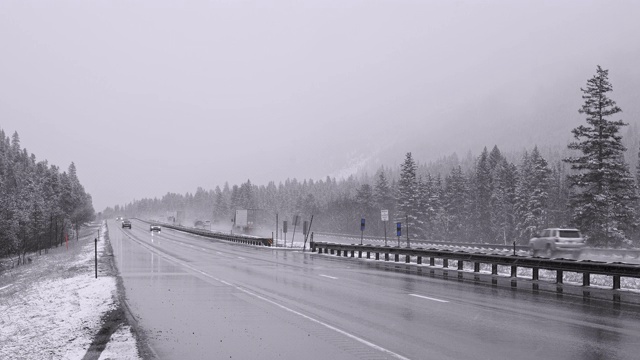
[{"x": 52, "y": 307}]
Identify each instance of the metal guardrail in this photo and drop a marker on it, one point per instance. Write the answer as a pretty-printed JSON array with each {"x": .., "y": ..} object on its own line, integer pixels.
[
  {"x": 393, "y": 240},
  {"x": 242, "y": 239},
  {"x": 623, "y": 253},
  {"x": 586, "y": 268}
]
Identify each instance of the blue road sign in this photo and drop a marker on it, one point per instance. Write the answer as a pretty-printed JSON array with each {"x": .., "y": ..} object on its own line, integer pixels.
[
  {"x": 361, "y": 224},
  {"x": 398, "y": 229}
]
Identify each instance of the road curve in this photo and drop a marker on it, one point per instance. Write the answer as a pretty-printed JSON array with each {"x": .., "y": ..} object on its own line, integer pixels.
[{"x": 199, "y": 298}]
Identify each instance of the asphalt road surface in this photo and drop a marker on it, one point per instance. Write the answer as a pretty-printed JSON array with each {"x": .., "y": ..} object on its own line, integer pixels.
[{"x": 198, "y": 298}]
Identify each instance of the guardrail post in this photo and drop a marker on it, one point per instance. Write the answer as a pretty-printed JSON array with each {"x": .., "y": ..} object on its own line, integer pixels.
[
  {"x": 407, "y": 259},
  {"x": 368, "y": 254},
  {"x": 359, "y": 254},
  {"x": 536, "y": 274},
  {"x": 377, "y": 255},
  {"x": 616, "y": 282},
  {"x": 494, "y": 269},
  {"x": 476, "y": 267},
  {"x": 386, "y": 256},
  {"x": 559, "y": 276},
  {"x": 419, "y": 259},
  {"x": 460, "y": 265},
  {"x": 445, "y": 263},
  {"x": 514, "y": 271},
  {"x": 332, "y": 252},
  {"x": 397, "y": 257},
  {"x": 353, "y": 253},
  {"x": 432, "y": 261}
]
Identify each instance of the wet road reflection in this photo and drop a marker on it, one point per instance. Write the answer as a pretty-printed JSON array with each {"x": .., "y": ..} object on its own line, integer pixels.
[{"x": 198, "y": 298}]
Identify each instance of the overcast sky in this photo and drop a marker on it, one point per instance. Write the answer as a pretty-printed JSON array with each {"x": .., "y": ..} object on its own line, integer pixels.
[{"x": 148, "y": 97}]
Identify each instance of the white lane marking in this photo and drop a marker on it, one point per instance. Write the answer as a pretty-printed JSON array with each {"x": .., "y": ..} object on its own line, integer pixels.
[
  {"x": 5, "y": 287},
  {"x": 330, "y": 277},
  {"x": 218, "y": 252},
  {"x": 331, "y": 327},
  {"x": 428, "y": 298},
  {"x": 240, "y": 257}
]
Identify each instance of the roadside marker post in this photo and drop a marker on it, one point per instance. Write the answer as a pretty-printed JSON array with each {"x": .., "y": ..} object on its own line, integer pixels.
[
  {"x": 398, "y": 232},
  {"x": 384, "y": 214},
  {"x": 361, "y": 230},
  {"x": 96, "y": 256}
]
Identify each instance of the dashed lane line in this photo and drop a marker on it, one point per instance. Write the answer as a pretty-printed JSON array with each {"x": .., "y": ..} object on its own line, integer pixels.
[
  {"x": 330, "y": 277},
  {"x": 429, "y": 298},
  {"x": 295, "y": 312}
]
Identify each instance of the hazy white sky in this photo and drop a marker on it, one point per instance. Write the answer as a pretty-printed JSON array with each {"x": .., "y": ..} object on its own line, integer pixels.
[{"x": 154, "y": 96}]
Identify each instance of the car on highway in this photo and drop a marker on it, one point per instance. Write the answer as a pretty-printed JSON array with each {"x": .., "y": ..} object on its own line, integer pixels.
[
  {"x": 154, "y": 228},
  {"x": 126, "y": 223},
  {"x": 551, "y": 241}
]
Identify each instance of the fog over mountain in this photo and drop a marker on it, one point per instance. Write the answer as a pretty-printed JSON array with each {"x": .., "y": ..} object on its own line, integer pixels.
[{"x": 158, "y": 96}]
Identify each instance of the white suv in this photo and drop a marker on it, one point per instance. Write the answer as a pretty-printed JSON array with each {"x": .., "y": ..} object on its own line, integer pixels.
[{"x": 550, "y": 241}]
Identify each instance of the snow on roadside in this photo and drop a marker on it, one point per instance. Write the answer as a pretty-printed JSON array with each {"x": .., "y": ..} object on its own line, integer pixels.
[
  {"x": 56, "y": 308},
  {"x": 120, "y": 346}
]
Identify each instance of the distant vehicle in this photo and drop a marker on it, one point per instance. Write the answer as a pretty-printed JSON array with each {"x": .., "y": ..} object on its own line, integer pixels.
[
  {"x": 154, "y": 228},
  {"x": 551, "y": 241},
  {"x": 126, "y": 223}
]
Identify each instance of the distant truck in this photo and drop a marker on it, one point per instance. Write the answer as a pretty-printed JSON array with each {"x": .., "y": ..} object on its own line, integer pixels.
[{"x": 244, "y": 219}]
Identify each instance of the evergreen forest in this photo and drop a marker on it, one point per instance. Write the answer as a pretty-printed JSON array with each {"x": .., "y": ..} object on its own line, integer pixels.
[{"x": 493, "y": 197}]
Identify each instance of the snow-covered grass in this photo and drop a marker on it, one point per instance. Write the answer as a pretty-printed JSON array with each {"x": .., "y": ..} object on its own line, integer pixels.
[{"x": 52, "y": 307}]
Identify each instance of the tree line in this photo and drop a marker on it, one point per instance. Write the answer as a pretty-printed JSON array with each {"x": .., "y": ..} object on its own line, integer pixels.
[
  {"x": 39, "y": 205},
  {"x": 488, "y": 199}
]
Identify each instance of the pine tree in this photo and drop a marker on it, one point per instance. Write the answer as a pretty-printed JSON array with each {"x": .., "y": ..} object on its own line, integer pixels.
[
  {"x": 482, "y": 192},
  {"x": 502, "y": 201},
  {"x": 455, "y": 217},
  {"x": 407, "y": 198},
  {"x": 365, "y": 201},
  {"x": 603, "y": 190},
  {"x": 383, "y": 193},
  {"x": 532, "y": 195},
  {"x": 558, "y": 212}
]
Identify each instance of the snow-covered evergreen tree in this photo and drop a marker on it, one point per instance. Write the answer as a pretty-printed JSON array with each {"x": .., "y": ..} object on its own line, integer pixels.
[
  {"x": 407, "y": 198},
  {"x": 455, "y": 218},
  {"x": 532, "y": 195},
  {"x": 603, "y": 190},
  {"x": 482, "y": 198}
]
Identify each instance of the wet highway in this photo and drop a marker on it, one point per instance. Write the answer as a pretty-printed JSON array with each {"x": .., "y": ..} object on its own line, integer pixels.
[{"x": 198, "y": 298}]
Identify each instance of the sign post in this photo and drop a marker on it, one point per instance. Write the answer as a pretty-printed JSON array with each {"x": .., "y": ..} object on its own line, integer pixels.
[
  {"x": 295, "y": 225},
  {"x": 385, "y": 217},
  {"x": 284, "y": 230},
  {"x": 399, "y": 232},
  {"x": 361, "y": 230},
  {"x": 408, "y": 244}
]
